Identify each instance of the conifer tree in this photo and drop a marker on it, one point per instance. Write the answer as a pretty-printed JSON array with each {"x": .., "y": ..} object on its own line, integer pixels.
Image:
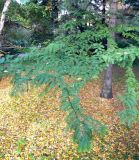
[{"x": 79, "y": 56}]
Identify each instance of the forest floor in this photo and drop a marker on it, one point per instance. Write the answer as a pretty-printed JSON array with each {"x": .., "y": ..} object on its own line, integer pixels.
[{"x": 33, "y": 128}]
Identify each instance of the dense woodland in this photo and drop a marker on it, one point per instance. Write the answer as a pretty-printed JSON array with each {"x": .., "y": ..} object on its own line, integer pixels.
[{"x": 62, "y": 46}]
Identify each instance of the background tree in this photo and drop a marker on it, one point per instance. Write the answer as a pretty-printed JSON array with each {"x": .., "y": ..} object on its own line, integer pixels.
[
  {"x": 2, "y": 21},
  {"x": 107, "y": 85}
]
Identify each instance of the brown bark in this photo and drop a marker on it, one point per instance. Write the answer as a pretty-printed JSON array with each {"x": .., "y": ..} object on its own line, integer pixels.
[
  {"x": 106, "y": 91},
  {"x": 107, "y": 84}
]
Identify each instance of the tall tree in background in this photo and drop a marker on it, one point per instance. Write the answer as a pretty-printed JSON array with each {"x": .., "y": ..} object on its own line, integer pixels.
[
  {"x": 3, "y": 16},
  {"x": 43, "y": 19},
  {"x": 54, "y": 15},
  {"x": 107, "y": 84}
]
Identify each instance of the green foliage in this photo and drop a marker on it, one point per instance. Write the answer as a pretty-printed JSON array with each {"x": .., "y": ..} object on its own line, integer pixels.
[
  {"x": 17, "y": 13},
  {"x": 130, "y": 99},
  {"x": 71, "y": 61},
  {"x": 51, "y": 74},
  {"x": 121, "y": 56},
  {"x": 20, "y": 146},
  {"x": 1, "y": 4},
  {"x": 33, "y": 17},
  {"x": 133, "y": 3},
  {"x": 69, "y": 69}
]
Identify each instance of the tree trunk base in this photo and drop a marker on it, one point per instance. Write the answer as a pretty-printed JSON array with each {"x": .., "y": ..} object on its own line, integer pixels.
[{"x": 106, "y": 94}]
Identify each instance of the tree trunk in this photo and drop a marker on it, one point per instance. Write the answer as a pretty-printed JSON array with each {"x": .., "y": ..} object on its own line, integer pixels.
[
  {"x": 107, "y": 84},
  {"x": 54, "y": 17},
  {"x": 2, "y": 20},
  {"x": 106, "y": 91},
  {"x": 103, "y": 11},
  {"x": 104, "y": 40}
]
